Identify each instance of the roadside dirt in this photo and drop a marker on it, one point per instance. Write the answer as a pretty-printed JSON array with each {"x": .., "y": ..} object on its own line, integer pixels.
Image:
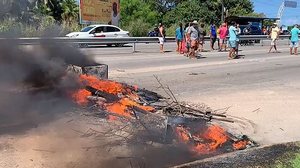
[{"x": 267, "y": 115}]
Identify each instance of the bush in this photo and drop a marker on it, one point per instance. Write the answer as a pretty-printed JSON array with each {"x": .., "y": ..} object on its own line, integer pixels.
[
  {"x": 170, "y": 31},
  {"x": 137, "y": 28},
  {"x": 44, "y": 26}
]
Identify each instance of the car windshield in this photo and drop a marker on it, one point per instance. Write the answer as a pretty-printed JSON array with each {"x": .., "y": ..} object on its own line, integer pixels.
[{"x": 86, "y": 29}]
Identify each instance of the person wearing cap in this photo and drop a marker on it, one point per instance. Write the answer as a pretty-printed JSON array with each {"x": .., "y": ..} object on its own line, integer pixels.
[
  {"x": 275, "y": 31},
  {"x": 194, "y": 36},
  {"x": 294, "y": 40}
]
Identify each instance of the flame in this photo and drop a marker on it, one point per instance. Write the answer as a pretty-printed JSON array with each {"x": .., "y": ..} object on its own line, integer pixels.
[
  {"x": 213, "y": 137},
  {"x": 122, "y": 107},
  {"x": 183, "y": 134},
  {"x": 239, "y": 145},
  {"x": 81, "y": 96},
  {"x": 111, "y": 87}
]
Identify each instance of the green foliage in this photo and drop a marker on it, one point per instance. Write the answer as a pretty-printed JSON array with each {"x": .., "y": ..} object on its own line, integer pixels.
[
  {"x": 170, "y": 31},
  {"x": 132, "y": 10},
  {"x": 70, "y": 11},
  {"x": 138, "y": 28},
  {"x": 189, "y": 11}
]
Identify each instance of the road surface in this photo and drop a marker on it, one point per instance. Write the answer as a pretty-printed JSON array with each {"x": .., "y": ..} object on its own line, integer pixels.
[{"x": 262, "y": 88}]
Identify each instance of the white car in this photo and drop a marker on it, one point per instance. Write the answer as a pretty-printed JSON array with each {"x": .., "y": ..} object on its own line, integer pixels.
[{"x": 99, "y": 31}]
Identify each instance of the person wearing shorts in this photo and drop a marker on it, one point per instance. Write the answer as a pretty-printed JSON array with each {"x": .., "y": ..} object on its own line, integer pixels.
[
  {"x": 239, "y": 31},
  {"x": 223, "y": 34},
  {"x": 161, "y": 37},
  {"x": 194, "y": 35},
  {"x": 274, "y": 36},
  {"x": 232, "y": 40},
  {"x": 187, "y": 39},
  {"x": 294, "y": 40},
  {"x": 202, "y": 33}
]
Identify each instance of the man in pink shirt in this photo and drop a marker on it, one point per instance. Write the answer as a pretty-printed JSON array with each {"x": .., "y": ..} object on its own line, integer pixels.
[{"x": 223, "y": 35}]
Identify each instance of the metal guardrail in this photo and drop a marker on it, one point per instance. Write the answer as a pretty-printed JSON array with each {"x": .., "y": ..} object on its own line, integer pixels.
[{"x": 116, "y": 40}]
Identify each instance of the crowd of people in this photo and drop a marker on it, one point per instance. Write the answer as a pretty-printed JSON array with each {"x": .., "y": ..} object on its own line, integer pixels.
[{"x": 190, "y": 38}]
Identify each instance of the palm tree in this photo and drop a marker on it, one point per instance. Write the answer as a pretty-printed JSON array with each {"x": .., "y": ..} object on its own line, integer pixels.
[{"x": 70, "y": 11}]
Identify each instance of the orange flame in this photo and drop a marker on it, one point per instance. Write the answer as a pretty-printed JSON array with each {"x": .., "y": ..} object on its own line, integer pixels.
[
  {"x": 240, "y": 145},
  {"x": 215, "y": 135},
  {"x": 182, "y": 134},
  {"x": 211, "y": 139},
  {"x": 121, "y": 107},
  {"x": 81, "y": 96}
]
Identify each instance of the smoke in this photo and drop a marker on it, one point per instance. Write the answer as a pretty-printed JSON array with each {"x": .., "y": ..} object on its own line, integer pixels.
[{"x": 34, "y": 85}]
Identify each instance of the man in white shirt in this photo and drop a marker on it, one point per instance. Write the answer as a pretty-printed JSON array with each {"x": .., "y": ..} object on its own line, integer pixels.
[{"x": 275, "y": 31}]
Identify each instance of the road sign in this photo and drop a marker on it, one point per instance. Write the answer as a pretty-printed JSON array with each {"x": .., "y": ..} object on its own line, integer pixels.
[{"x": 290, "y": 4}]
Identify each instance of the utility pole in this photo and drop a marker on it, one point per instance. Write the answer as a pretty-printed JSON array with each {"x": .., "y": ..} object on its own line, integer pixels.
[{"x": 222, "y": 19}]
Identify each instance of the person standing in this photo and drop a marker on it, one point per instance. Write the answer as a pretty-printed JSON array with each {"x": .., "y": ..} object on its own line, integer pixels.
[
  {"x": 238, "y": 38},
  {"x": 223, "y": 34},
  {"x": 232, "y": 40},
  {"x": 294, "y": 40},
  {"x": 194, "y": 36},
  {"x": 274, "y": 36},
  {"x": 161, "y": 37},
  {"x": 201, "y": 37},
  {"x": 187, "y": 38},
  {"x": 218, "y": 37},
  {"x": 179, "y": 38},
  {"x": 213, "y": 36}
]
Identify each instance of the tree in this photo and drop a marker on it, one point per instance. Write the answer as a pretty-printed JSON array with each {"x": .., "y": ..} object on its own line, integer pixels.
[
  {"x": 188, "y": 11},
  {"x": 70, "y": 11},
  {"x": 136, "y": 9},
  {"x": 207, "y": 11}
]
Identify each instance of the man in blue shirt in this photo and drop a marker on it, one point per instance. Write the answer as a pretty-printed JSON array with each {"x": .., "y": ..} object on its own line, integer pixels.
[
  {"x": 213, "y": 35},
  {"x": 232, "y": 40},
  {"x": 294, "y": 40}
]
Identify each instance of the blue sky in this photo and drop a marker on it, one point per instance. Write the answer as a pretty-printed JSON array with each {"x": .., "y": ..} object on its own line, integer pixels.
[{"x": 270, "y": 8}]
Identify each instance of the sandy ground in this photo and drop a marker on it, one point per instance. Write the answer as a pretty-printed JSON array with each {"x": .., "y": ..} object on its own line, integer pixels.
[{"x": 271, "y": 113}]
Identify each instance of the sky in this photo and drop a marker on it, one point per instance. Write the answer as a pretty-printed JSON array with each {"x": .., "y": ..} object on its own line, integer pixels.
[{"x": 270, "y": 8}]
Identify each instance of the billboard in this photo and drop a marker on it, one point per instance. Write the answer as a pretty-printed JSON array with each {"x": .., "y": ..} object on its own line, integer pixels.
[{"x": 100, "y": 11}]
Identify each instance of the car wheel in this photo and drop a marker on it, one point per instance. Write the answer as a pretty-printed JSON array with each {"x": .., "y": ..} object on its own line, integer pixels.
[
  {"x": 119, "y": 45},
  {"x": 83, "y": 45}
]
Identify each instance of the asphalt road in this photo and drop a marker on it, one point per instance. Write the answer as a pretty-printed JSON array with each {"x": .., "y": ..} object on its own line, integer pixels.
[
  {"x": 210, "y": 72},
  {"x": 261, "y": 88}
]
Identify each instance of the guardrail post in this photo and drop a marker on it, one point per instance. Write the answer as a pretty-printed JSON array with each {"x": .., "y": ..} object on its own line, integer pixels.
[{"x": 133, "y": 47}]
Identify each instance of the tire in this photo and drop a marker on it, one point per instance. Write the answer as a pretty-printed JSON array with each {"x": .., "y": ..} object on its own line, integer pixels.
[
  {"x": 83, "y": 45},
  {"x": 119, "y": 45},
  {"x": 108, "y": 45}
]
